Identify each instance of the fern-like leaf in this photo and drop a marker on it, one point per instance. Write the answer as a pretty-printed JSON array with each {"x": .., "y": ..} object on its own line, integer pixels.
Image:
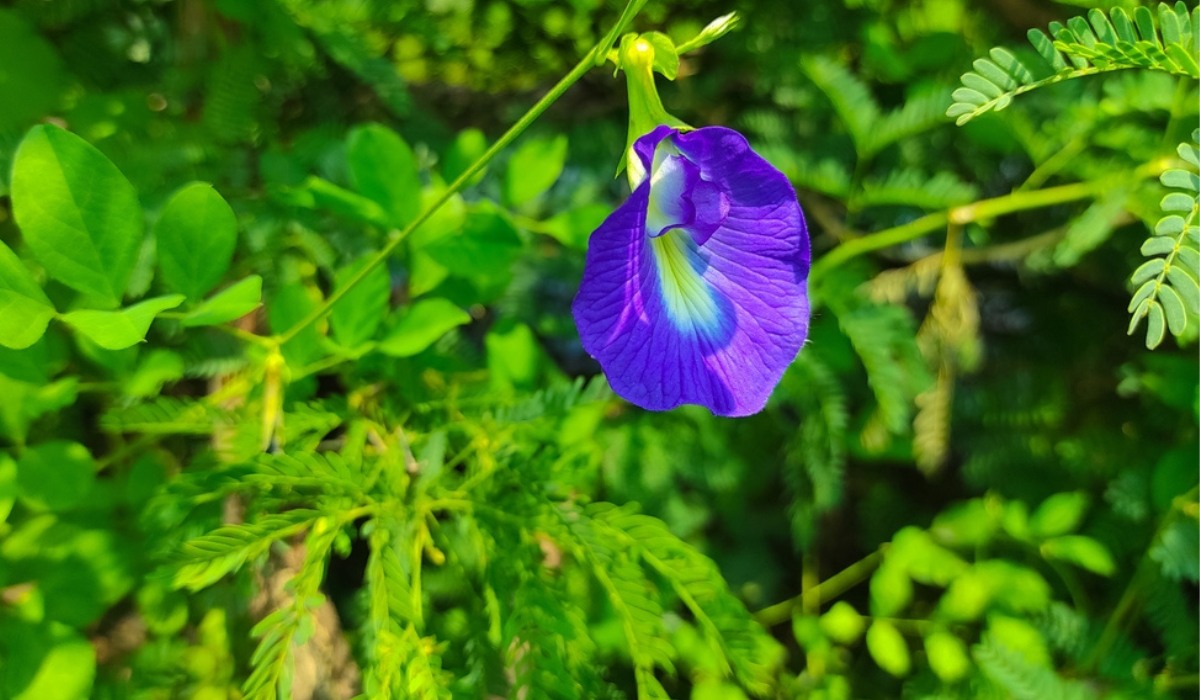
[
  {"x": 1022, "y": 679},
  {"x": 202, "y": 561},
  {"x": 633, "y": 597},
  {"x": 402, "y": 663},
  {"x": 883, "y": 337},
  {"x": 316, "y": 472},
  {"x": 165, "y": 416},
  {"x": 742, "y": 645},
  {"x": 546, "y": 642},
  {"x": 816, "y": 457},
  {"x": 921, "y": 111},
  {"x": 906, "y": 187},
  {"x": 1099, "y": 44},
  {"x": 1167, "y": 293},
  {"x": 851, "y": 99},
  {"x": 870, "y": 128},
  {"x": 270, "y": 677}
]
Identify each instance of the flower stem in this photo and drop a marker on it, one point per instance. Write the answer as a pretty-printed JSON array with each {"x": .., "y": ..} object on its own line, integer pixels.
[
  {"x": 978, "y": 211},
  {"x": 593, "y": 58}
]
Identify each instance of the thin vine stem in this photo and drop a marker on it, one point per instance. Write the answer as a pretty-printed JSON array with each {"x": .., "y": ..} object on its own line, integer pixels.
[
  {"x": 828, "y": 589},
  {"x": 596, "y": 56},
  {"x": 978, "y": 211}
]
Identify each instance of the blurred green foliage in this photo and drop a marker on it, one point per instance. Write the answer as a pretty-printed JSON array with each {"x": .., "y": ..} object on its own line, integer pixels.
[{"x": 970, "y": 484}]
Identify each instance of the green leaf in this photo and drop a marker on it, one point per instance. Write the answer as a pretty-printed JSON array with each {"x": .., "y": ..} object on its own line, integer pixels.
[
  {"x": 1155, "y": 325},
  {"x": 1189, "y": 153},
  {"x": 116, "y": 330},
  {"x": 421, "y": 325},
  {"x": 157, "y": 368},
  {"x": 229, "y": 304},
  {"x": 203, "y": 560},
  {"x": 1177, "y": 201},
  {"x": 1161, "y": 244},
  {"x": 842, "y": 623},
  {"x": 1059, "y": 514},
  {"x": 25, "y": 311},
  {"x": 24, "y": 402},
  {"x": 1081, "y": 551},
  {"x": 891, "y": 589},
  {"x": 468, "y": 147},
  {"x": 1188, "y": 258},
  {"x": 533, "y": 168},
  {"x": 77, "y": 212},
  {"x": 290, "y": 304},
  {"x": 1091, "y": 228},
  {"x": 1176, "y": 551},
  {"x": 383, "y": 168},
  {"x": 1184, "y": 284},
  {"x": 968, "y": 524},
  {"x": 573, "y": 227},
  {"x": 46, "y": 662},
  {"x": 357, "y": 315},
  {"x": 1148, "y": 269},
  {"x": 321, "y": 195},
  {"x": 56, "y": 475},
  {"x": 666, "y": 57},
  {"x": 37, "y": 87},
  {"x": 1143, "y": 293},
  {"x": 8, "y": 486},
  {"x": 482, "y": 252},
  {"x": 1181, "y": 179},
  {"x": 888, "y": 648},
  {"x": 851, "y": 99},
  {"x": 1173, "y": 308},
  {"x": 1168, "y": 226},
  {"x": 947, "y": 656},
  {"x": 196, "y": 235}
]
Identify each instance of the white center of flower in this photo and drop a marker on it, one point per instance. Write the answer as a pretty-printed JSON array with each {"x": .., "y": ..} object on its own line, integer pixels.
[
  {"x": 687, "y": 296},
  {"x": 668, "y": 185}
]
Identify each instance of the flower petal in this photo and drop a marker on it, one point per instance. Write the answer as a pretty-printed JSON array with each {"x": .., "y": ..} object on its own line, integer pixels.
[{"x": 711, "y": 317}]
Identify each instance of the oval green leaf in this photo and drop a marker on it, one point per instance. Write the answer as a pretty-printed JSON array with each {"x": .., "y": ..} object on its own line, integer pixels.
[
  {"x": 888, "y": 648},
  {"x": 384, "y": 169},
  {"x": 1082, "y": 551},
  {"x": 357, "y": 315},
  {"x": 947, "y": 656},
  {"x": 842, "y": 623},
  {"x": 1058, "y": 514},
  {"x": 533, "y": 168},
  {"x": 1156, "y": 327},
  {"x": 117, "y": 330},
  {"x": 1173, "y": 309},
  {"x": 25, "y": 311},
  {"x": 229, "y": 304},
  {"x": 77, "y": 212},
  {"x": 56, "y": 475},
  {"x": 196, "y": 235},
  {"x": 421, "y": 326}
]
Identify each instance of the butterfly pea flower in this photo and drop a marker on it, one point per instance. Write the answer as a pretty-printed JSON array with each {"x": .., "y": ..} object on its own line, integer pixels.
[{"x": 695, "y": 289}]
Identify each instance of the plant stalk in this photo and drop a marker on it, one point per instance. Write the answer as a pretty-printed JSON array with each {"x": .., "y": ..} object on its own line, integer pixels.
[
  {"x": 978, "y": 211},
  {"x": 593, "y": 58}
]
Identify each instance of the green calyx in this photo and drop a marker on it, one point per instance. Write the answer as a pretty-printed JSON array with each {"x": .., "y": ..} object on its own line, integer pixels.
[{"x": 639, "y": 56}]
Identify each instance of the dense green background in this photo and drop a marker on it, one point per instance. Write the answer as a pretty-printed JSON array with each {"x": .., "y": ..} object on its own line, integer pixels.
[{"x": 1005, "y": 480}]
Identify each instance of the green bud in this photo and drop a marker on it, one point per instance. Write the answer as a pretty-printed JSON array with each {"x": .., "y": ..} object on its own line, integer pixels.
[{"x": 716, "y": 29}]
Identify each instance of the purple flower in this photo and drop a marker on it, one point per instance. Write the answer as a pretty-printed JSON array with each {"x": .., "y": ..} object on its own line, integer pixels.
[{"x": 695, "y": 288}]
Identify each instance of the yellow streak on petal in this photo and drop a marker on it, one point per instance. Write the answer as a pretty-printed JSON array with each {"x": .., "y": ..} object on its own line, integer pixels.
[{"x": 687, "y": 296}]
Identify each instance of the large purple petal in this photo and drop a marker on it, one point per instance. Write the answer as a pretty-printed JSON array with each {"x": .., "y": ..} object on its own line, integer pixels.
[{"x": 711, "y": 312}]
